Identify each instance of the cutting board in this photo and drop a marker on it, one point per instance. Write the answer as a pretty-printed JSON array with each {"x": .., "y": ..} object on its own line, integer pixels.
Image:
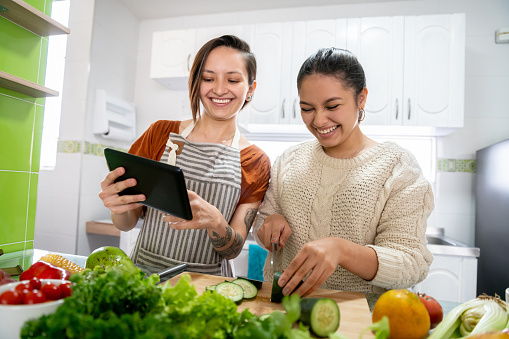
[{"x": 353, "y": 307}]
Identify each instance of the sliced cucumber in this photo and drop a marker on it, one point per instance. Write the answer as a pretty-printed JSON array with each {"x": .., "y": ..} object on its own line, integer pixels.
[
  {"x": 320, "y": 314},
  {"x": 231, "y": 291},
  {"x": 257, "y": 283},
  {"x": 250, "y": 290},
  {"x": 210, "y": 288}
]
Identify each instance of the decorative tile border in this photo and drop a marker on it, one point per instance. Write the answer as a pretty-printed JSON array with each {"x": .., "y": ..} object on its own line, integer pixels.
[
  {"x": 85, "y": 147},
  {"x": 456, "y": 165}
]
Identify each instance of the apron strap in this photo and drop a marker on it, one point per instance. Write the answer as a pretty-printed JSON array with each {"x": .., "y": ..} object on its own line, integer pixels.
[{"x": 235, "y": 142}]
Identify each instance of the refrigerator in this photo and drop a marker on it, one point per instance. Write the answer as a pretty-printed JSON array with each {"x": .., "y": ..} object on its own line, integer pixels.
[{"x": 492, "y": 218}]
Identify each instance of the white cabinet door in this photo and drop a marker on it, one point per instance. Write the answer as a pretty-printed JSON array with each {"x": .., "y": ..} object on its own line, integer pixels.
[
  {"x": 309, "y": 37},
  {"x": 434, "y": 70},
  {"x": 378, "y": 44},
  {"x": 268, "y": 42},
  {"x": 172, "y": 53},
  {"x": 203, "y": 35},
  {"x": 450, "y": 278}
]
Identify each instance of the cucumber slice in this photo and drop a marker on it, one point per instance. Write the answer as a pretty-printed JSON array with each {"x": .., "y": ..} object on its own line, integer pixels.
[
  {"x": 231, "y": 291},
  {"x": 210, "y": 288},
  {"x": 250, "y": 290},
  {"x": 320, "y": 314},
  {"x": 257, "y": 283}
]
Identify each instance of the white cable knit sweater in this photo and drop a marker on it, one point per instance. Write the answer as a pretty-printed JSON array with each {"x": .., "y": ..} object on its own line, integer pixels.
[{"x": 378, "y": 199}]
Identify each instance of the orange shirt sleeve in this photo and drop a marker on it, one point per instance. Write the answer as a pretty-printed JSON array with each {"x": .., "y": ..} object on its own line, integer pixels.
[
  {"x": 255, "y": 167},
  {"x": 152, "y": 142}
]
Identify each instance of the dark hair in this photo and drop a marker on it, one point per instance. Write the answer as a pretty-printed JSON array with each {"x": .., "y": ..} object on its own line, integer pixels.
[
  {"x": 195, "y": 74},
  {"x": 338, "y": 63}
]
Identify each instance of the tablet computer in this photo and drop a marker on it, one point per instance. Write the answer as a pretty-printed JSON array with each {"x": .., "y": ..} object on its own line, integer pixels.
[{"x": 162, "y": 184}]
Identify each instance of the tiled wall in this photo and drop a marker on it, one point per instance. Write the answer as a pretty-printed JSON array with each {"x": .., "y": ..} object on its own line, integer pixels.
[{"x": 22, "y": 54}]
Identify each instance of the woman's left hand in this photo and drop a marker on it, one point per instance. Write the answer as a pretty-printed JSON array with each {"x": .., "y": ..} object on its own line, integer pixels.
[
  {"x": 319, "y": 259},
  {"x": 205, "y": 215}
]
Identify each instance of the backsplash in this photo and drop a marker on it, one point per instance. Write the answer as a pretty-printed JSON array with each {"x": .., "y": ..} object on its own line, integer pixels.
[
  {"x": 456, "y": 165},
  {"x": 85, "y": 147}
]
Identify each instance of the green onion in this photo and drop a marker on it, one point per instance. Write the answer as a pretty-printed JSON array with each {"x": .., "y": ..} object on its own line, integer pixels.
[{"x": 485, "y": 313}]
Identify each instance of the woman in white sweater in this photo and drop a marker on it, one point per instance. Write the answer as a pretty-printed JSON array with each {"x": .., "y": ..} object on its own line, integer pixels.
[{"x": 348, "y": 213}]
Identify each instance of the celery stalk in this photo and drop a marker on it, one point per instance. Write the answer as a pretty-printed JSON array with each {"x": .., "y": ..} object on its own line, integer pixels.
[{"x": 484, "y": 313}]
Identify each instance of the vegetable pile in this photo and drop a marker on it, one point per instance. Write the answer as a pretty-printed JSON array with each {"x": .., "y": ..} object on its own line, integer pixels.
[{"x": 116, "y": 301}]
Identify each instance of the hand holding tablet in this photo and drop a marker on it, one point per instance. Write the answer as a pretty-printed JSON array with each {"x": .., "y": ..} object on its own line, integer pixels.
[{"x": 162, "y": 184}]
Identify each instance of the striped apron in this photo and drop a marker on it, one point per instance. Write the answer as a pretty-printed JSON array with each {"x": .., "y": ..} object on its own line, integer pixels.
[{"x": 211, "y": 170}]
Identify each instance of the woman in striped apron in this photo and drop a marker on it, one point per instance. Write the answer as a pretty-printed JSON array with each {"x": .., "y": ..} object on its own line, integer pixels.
[{"x": 226, "y": 176}]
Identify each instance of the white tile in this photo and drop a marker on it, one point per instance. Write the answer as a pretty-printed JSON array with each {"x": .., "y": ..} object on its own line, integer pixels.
[
  {"x": 483, "y": 17},
  {"x": 455, "y": 193},
  {"x": 54, "y": 242},
  {"x": 79, "y": 42},
  {"x": 484, "y": 57},
  {"x": 72, "y": 118},
  {"x": 125, "y": 27},
  {"x": 66, "y": 175},
  {"x": 64, "y": 215},
  {"x": 486, "y": 97},
  {"x": 94, "y": 171},
  {"x": 76, "y": 80},
  {"x": 460, "y": 227},
  {"x": 81, "y": 10}
]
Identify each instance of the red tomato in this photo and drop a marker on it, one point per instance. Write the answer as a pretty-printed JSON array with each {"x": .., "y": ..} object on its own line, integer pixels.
[
  {"x": 34, "y": 297},
  {"x": 434, "y": 309},
  {"x": 65, "y": 289},
  {"x": 36, "y": 283},
  {"x": 11, "y": 297},
  {"x": 51, "y": 291},
  {"x": 24, "y": 288}
]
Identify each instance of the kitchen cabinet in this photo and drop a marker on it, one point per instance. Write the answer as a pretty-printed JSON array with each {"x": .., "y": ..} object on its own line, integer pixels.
[
  {"x": 172, "y": 53},
  {"x": 414, "y": 67},
  {"x": 450, "y": 278},
  {"x": 280, "y": 50}
]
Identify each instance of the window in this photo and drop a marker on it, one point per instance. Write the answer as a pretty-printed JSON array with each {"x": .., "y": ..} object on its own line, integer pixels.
[
  {"x": 54, "y": 80},
  {"x": 423, "y": 148}
]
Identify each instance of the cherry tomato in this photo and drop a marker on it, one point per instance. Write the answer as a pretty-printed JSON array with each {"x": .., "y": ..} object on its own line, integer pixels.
[
  {"x": 24, "y": 288},
  {"x": 34, "y": 297},
  {"x": 51, "y": 291},
  {"x": 36, "y": 283},
  {"x": 65, "y": 289},
  {"x": 434, "y": 309},
  {"x": 11, "y": 297}
]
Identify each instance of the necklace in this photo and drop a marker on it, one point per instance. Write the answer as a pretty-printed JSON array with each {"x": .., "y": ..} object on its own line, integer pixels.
[{"x": 350, "y": 156}]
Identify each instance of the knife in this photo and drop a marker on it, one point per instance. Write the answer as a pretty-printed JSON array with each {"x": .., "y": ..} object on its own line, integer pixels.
[{"x": 275, "y": 248}]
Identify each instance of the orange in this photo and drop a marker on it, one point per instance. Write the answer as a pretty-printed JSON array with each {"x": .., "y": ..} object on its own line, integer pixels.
[{"x": 408, "y": 317}]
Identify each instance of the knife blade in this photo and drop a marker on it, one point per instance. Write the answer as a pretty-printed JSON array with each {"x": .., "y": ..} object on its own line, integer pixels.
[{"x": 275, "y": 248}]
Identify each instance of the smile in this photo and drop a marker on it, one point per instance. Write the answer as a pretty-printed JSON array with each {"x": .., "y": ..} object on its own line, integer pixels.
[
  {"x": 328, "y": 130},
  {"x": 221, "y": 101}
]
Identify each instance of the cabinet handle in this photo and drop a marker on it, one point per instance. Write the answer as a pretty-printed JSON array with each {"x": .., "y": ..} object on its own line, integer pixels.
[
  {"x": 283, "y": 109},
  {"x": 397, "y": 109},
  {"x": 409, "y": 109},
  {"x": 293, "y": 107},
  {"x": 188, "y": 59}
]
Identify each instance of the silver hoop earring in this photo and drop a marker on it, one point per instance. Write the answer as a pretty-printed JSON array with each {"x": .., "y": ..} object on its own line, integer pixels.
[
  {"x": 362, "y": 115},
  {"x": 249, "y": 97}
]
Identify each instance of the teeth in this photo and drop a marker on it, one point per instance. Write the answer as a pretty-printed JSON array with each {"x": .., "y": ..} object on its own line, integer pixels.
[
  {"x": 328, "y": 130},
  {"x": 221, "y": 101}
]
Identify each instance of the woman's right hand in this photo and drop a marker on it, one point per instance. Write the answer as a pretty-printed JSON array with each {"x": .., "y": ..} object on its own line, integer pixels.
[
  {"x": 119, "y": 204},
  {"x": 275, "y": 228}
]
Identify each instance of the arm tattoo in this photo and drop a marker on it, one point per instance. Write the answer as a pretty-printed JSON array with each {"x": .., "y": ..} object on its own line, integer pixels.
[
  {"x": 234, "y": 249},
  {"x": 249, "y": 218}
]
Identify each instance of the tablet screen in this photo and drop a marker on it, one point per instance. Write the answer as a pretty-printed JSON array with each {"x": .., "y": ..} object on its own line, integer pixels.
[{"x": 162, "y": 184}]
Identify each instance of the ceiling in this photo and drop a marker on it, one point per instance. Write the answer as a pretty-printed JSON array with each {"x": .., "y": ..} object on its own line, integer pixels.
[{"x": 160, "y": 9}]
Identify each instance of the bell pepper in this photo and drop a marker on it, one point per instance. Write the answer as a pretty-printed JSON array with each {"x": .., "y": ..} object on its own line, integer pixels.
[{"x": 44, "y": 270}]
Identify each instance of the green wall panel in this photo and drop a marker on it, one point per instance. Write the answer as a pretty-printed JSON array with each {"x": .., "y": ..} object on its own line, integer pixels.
[
  {"x": 14, "y": 205},
  {"x": 20, "y": 51},
  {"x": 37, "y": 140},
  {"x": 32, "y": 203},
  {"x": 16, "y": 133},
  {"x": 22, "y": 54}
]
